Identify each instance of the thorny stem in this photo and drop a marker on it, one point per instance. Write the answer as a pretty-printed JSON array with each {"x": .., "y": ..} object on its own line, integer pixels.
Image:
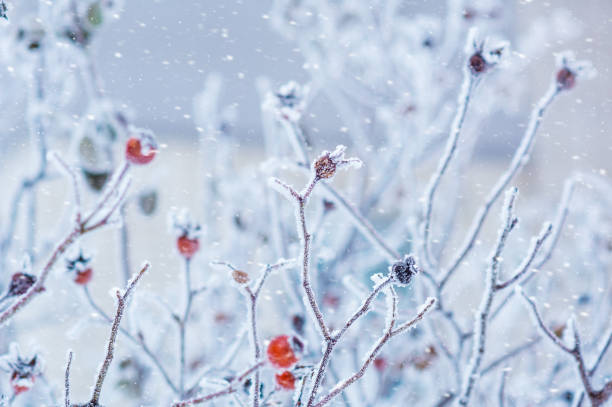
[
  {"x": 464, "y": 98},
  {"x": 389, "y": 333},
  {"x": 229, "y": 389},
  {"x": 596, "y": 397},
  {"x": 520, "y": 158},
  {"x": 121, "y": 302}
]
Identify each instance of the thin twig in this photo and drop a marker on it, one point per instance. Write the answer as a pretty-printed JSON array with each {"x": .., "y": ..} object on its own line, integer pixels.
[
  {"x": 389, "y": 333},
  {"x": 137, "y": 341},
  {"x": 121, "y": 302},
  {"x": 67, "y": 381},
  {"x": 481, "y": 321},
  {"x": 519, "y": 160},
  {"x": 536, "y": 245},
  {"x": 229, "y": 389},
  {"x": 596, "y": 397},
  {"x": 80, "y": 229},
  {"x": 464, "y": 98}
]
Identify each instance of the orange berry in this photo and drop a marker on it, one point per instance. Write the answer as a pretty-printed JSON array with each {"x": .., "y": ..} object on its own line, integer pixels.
[
  {"x": 285, "y": 380},
  {"x": 281, "y": 353}
]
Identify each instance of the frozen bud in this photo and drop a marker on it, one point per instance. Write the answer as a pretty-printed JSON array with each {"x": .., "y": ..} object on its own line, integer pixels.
[
  {"x": 20, "y": 284},
  {"x": 328, "y": 163},
  {"x": 569, "y": 69},
  {"x": 240, "y": 277},
  {"x": 288, "y": 102},
  {"x": 141, "y": 146},
  {"x": 483, "y": 54},
  {"x": 403, "y": 271},
  {"x": 23, "y": 370},
  {"x": 79, "y": 268}
]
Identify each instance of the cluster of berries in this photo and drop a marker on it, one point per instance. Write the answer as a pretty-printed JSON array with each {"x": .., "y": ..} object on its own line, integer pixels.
[{"x": 283, "y": 353}]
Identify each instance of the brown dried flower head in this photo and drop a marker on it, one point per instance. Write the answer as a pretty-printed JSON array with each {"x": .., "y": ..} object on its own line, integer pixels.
[
  {"x": 482, "y": 54},
  {"x": 325, "y": 167},
  {"x": 569, "y": 70},
  {"x": 328, "y": 163},
  {"x": 240, "y": 277}
]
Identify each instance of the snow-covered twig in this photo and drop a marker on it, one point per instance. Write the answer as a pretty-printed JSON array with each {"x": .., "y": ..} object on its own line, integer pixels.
[
  {"x": 390, "y": 332},
  {"x": 596, "y": 397},
  {"x": 518, "y": 161}
]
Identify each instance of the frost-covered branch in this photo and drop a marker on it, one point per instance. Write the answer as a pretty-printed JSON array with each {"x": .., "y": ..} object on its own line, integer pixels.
[
  {"x": 390, "y": 332},
  {"x": 232, "y": 387},
  {"x": 518, "y": 161},
  {"x": 596, "y": 397}
]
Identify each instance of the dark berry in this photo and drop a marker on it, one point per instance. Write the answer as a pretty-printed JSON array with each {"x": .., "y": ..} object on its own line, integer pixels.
[
  {"x": 477, "y": 64},
  {"x": 566, "y": 79},
  {"x": 20, "y": 283},
  {"x": 403, "y": 271}
]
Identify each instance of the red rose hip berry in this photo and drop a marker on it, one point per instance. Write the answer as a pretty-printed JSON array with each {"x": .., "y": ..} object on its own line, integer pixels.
[
  {"x": 83, "y": 277},
  {"x": 21, "y": 384},
  {"x": 285, "y": 380},
  {"x": 141, "y": 148},
  {"x": 282, "y": 351},
  {"x": 187, "y": 247}
]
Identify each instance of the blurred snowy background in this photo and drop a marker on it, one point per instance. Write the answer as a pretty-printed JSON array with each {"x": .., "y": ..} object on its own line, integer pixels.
[{"x": 153, "y": 59}]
